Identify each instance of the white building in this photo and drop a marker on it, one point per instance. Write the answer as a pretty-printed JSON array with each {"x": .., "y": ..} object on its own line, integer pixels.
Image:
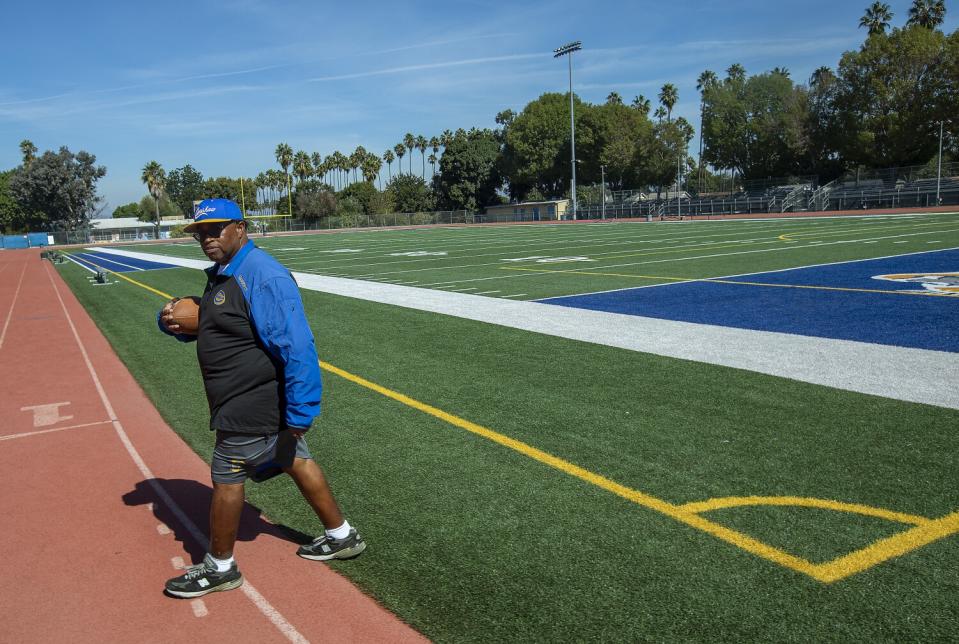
[{"x": 130, "y": 228}]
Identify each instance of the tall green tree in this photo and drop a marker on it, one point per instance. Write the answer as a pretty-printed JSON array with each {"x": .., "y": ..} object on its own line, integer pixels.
[
  {"x": 607, "y": 136},
  {"x": 229, "y": 188},
  {"x": 284, "y": 156},
  {"x": 29, "y": 152},
  {"x": 536, "y": 151},
  {"x": 876, "y": 19},
  {"x": 57, "y": 190},
  {"x": 642, "y": 104},
  {"x": 131, "y": 209},
  {"x": 927, "y": 13},
  {"x": 410, "y": 193},
  {"x": 421, "y": 144},
  {"x": 302, "y": 166},
  {"x": 389, "y": 158},
  {"x": 11, "y": 215},
  {"x": 145, "y": 210},
  {"x": 184, "y": 186},
  {"x": 658, "y": 156},
  {"x": 705, "y": 81},
  {"x": 410, "y": 142},
  {"x": 823, "y": 127},
  {"x": 891, "y": 94},
  {"x": 435, "y": 146},
  {"x": 756, "y": 125},
  {"x": 316, "y": 161},
  {"x": 370, "y": 167},
  {"x": 469, "y": 176},
  {"x": 447, "y": 135},
  {"x": 357, "y": 159},
  {"x": 400, "y": 150},
  {"x": 736, "y": 72},
  {"x": 154, "y": 177},
  {"x": 669, "y": 96}
]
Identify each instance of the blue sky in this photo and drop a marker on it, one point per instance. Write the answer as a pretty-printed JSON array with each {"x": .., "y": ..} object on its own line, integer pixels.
[{"x": 218, "y": 83}]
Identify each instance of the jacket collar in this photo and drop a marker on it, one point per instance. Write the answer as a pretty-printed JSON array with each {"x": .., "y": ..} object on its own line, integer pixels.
[{"x": 234, "y": 264}]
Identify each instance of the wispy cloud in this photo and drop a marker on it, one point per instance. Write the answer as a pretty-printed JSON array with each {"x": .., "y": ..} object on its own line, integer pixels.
[
  {"x": 194, "y": 63},
  {"x": 425, "y": 66},
  {"x": 57, "y": 111}
]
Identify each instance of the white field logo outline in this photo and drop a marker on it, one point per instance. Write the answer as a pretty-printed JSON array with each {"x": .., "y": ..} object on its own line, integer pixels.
[{"x": 940, "y": 283}]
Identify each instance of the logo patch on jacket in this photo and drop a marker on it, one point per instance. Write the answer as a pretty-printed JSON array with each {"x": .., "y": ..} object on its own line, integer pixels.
[{"x": 219, "y": 298}]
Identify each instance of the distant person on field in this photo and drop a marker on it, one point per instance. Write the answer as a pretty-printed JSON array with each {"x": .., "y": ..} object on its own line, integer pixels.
[{"x": 262, "y": 380}]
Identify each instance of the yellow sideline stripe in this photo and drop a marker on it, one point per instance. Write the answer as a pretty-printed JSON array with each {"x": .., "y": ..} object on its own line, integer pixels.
[
  {"x": 804, "y": 502},
  {"x": 925, "y": 532},
  {"x": 736, "y": 538},
  {"x": 142, "y": 285},
  {"x": 885, "y": 549},
  {"x": 719, "y": 281}
]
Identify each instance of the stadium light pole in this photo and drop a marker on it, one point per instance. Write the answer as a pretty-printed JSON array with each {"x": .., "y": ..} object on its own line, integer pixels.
[
  {"x": 565, "y": 50},
  {"x": 939, "y": 170}
]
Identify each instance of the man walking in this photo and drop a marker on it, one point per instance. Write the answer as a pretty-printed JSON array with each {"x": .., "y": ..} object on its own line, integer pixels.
[{"x": 262, "y": 381}]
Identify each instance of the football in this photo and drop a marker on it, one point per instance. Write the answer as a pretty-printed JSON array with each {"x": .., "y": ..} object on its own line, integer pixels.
[{"x": 186, "y": 313}]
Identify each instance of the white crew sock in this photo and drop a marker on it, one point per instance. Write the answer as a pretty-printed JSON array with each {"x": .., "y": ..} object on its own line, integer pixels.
[
  {"x": 222, "y": 565},
  {"x": 340, "y": 533}
]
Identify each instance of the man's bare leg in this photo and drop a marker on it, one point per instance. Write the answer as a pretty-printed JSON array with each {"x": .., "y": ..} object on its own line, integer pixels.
[
  {"x": 225, "y": 510},
  {"x": 313, "y": 486}
]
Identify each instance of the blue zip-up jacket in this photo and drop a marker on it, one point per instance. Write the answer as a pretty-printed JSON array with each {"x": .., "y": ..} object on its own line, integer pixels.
[{"x": 255, "y": 348}]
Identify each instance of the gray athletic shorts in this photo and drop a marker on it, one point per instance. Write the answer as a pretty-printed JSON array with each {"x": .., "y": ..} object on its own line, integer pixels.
[{"x": 238, "y": 456}]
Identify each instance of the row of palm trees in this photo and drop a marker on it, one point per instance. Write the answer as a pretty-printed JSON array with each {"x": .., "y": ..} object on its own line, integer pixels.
[
  {"x": 340, "y": 170},
  {"x": 668, "y": 97}
]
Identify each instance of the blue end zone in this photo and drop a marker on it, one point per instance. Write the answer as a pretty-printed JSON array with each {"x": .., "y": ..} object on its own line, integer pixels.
[
  {"x": 118, "y": 263},
  {"x": 887, "y": 317}
]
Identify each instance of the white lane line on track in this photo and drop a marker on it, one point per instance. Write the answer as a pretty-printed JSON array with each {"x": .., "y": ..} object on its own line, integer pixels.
[
  {"x": 3, "y": 334},
  {"x": 162, "y": 528},
  {"x": 55, "y": 429},
  {"x": 178, "y": 563},
  {"x": 254, "y": 595},
  {"x": 199, "y": 608}
]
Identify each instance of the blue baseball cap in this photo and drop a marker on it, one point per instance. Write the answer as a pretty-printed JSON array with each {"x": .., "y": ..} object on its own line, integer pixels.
[{"x": 212, "y": 211}]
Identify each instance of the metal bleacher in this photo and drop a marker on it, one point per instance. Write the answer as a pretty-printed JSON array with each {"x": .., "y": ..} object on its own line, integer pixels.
[{"x": 909, "y": 187}]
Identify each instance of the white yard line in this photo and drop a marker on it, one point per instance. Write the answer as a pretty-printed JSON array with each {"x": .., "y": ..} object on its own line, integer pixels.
[
  {"x": 80, "y": 263},
  {"x": 778, "y": 270},
  {"x": 113, "y": 261}
]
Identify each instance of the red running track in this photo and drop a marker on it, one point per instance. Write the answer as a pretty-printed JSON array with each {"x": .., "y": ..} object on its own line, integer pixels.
[{"x": 101, "y": 500}]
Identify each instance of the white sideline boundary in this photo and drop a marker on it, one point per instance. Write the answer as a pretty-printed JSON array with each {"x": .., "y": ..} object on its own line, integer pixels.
[{"x": 912, "y": 375}]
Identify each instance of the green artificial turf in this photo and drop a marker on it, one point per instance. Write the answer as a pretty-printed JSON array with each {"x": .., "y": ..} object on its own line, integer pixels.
[
  {"x": 471, "y": 541},
  {"x": 518, "y": 261}
]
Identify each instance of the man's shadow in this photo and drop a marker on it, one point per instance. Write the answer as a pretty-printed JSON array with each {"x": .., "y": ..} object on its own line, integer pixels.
[{"x": 193, "y": 499}]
